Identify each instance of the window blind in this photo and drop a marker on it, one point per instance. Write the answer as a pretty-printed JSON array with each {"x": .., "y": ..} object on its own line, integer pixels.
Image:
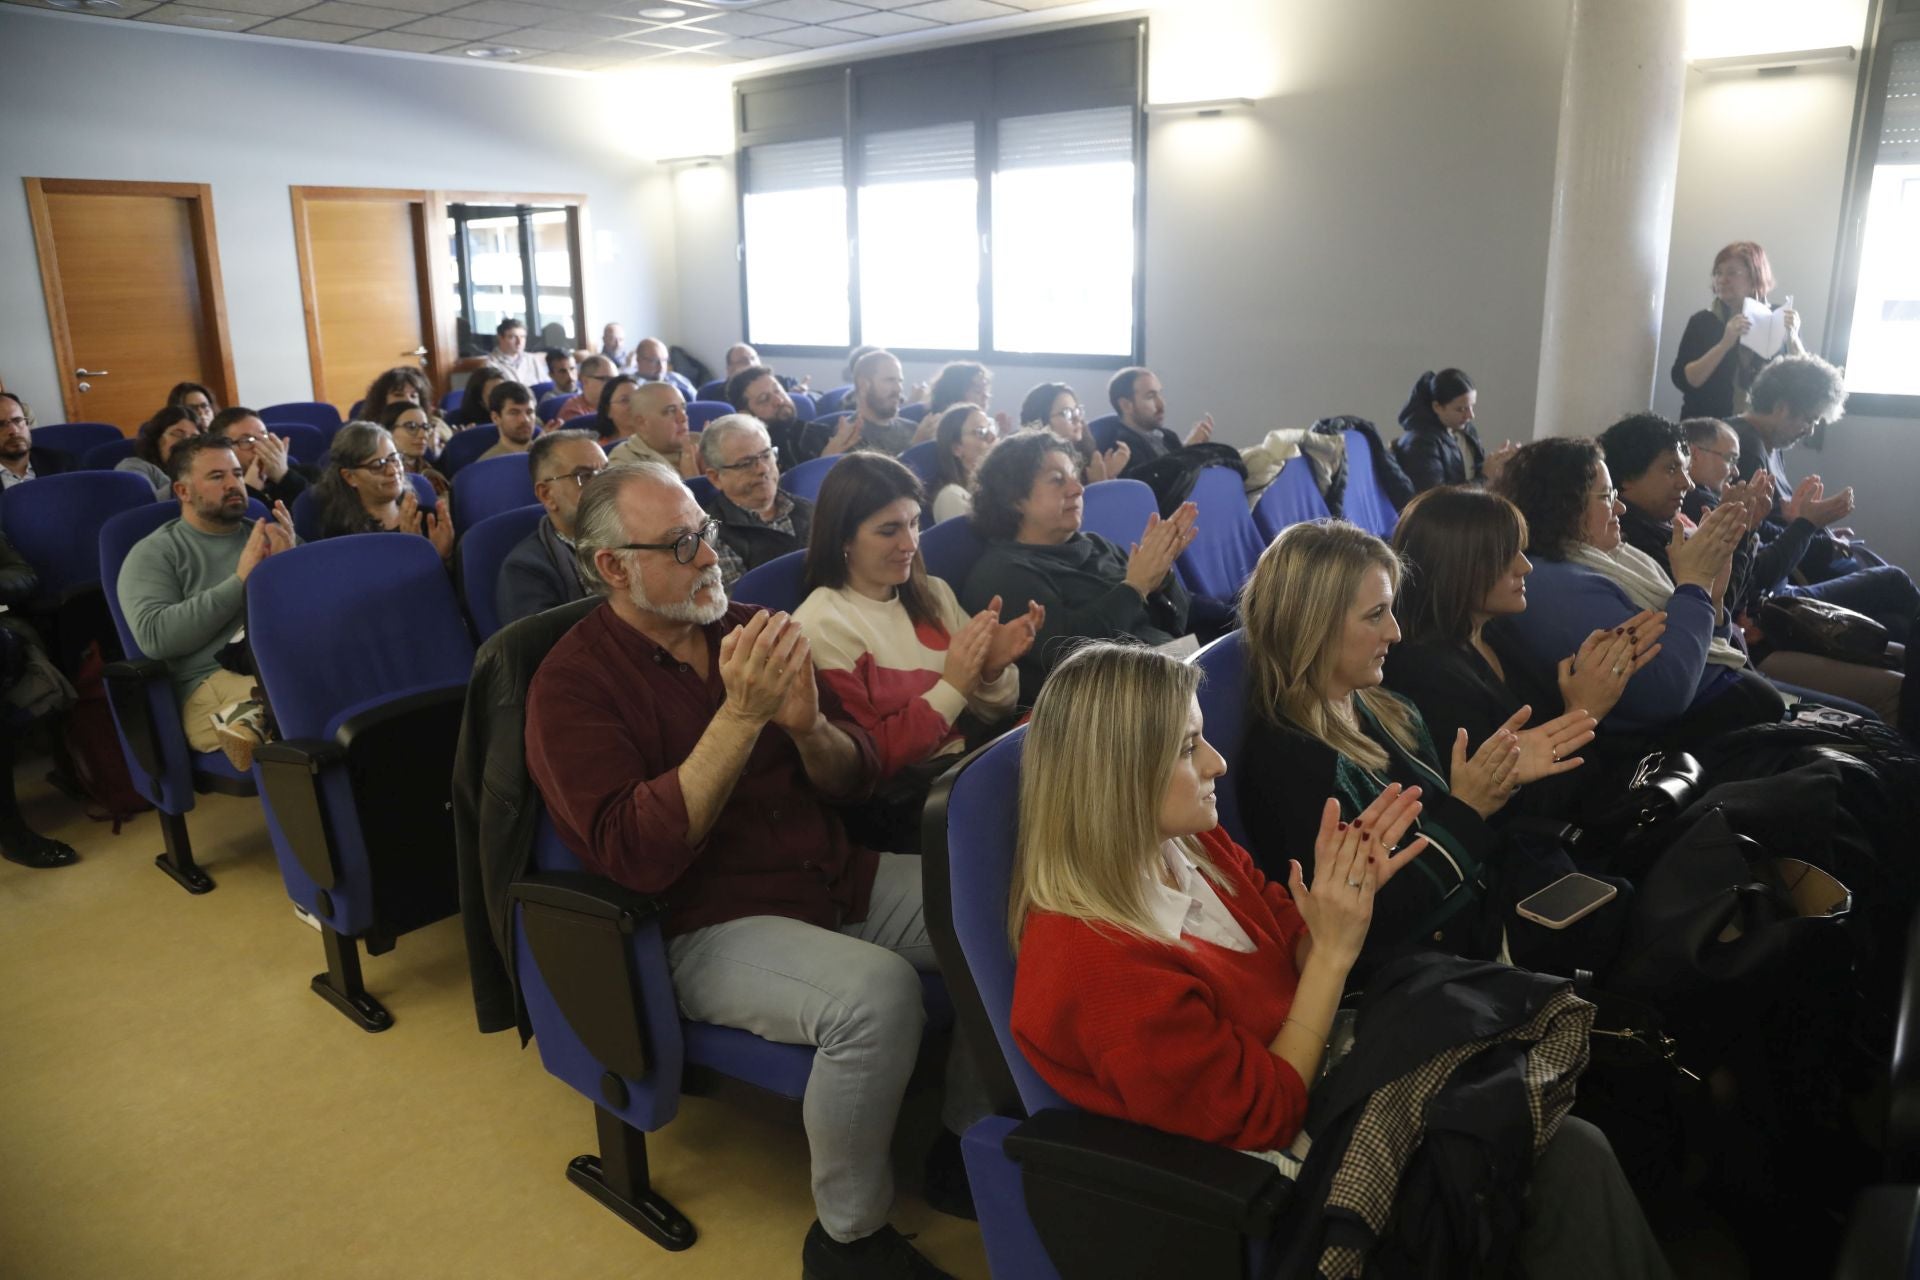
[
  {"x": 1103, "y": 135},
  {"x": 794, "y": 166},
  {"x": 938, "y": 153},
  {"x": 1900, "y": 123}
]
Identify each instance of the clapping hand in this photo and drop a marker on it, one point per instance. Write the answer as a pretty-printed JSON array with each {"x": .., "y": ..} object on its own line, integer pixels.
[
  {"x": 1010, "y": 639},
  {"x": 1487, "y": 779},
  {"x": 1496, "y": 462},
  {"x": 1593, "y": 679},
  {"x": 1351, "y": 861},
  {"x": 1810, "y": 501},
  {"x": 1202, "y": 431},
  {"x": 1160, "y": 545},
  {"x": 1700, "y": 559},
  {"x": 845, "y": 436},
  {"x": 1549, "y": 748},
  {"x": 1114, "y": 461},
  {"x": 758, "y": 665}
]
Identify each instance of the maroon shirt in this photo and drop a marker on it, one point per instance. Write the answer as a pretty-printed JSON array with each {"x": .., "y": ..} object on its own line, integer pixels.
[{"x": 610, "y": 718}]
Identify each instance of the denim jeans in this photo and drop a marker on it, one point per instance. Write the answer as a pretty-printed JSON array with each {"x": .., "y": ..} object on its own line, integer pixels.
[{"x": 854, "y": 992}]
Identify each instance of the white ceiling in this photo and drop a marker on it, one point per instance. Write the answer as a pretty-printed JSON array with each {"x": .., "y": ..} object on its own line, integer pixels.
[{"x": 571, "y": 35}]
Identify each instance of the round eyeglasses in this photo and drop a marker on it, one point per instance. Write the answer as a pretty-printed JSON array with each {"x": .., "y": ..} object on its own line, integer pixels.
[{"x": 685, "y": 547}]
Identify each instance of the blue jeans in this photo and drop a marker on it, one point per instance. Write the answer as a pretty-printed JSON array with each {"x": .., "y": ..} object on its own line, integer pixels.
[{"x": 1883, "y": 592}]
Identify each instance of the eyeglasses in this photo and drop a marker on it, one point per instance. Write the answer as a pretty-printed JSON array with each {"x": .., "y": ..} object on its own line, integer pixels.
[
  {"x": 15, "y": 421},
  {"x": 392, "y": 462},
  {"x": 684, "y": 548},
  {"x": 1611, "y": 495},
  {"x": 244, "y": 442},
  {"x": 413, "y": 426},
  {"x": 984, "y": 433},
  {"x": 1072, "y": 414},
  {"x": 751, "y": 462},
  {"x": 579, "y": 475},
  {"x": 1731, "y": 459}
]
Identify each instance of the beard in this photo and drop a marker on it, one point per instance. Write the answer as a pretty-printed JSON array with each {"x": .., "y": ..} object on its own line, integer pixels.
[
  {"x": 687, "y": 610},
  {"x": 15, "y": 447},
  {"x": 224, "y": 511}
]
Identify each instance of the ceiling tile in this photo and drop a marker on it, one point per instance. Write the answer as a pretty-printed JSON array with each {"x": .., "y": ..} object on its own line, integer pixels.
[
  {"x": 959, "y": 10},
  {"x": 460, "y": 50},
  {"x": 187, "y": 15},
  {"x": 265, "y": 8},
  {"x": 755, "y": 49},
  {"x": 581, "y": 60},
  {"x": 884, "y": 24},
  {"x": 356, "y": 15},
  {"x": 1039, "y": 4},
  {"x": 813, "y": 37},
  {"x": 744, "y": 24},
  {"x": 811, "y": 10},
  {"x": 411, "y": 6},
  {"x": 547, "y": 38},
  {"x": 510, "y": 12},
  {"x": 299, "y": 29},
  {"x": 403, "y": 43},
  {"x": 590, "y": 24},
  {"x": 128, "y": 8},
  {"x": 456, "y": 28},
  {"x": 676, "y": 37}
]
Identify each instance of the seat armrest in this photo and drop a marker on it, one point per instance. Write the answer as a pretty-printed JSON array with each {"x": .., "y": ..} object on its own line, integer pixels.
[
  {"x": 1903, "y": 1100},
  {"x": 584, "y": 894},
  {"x": 290, "y": 784},
  {"x": 128, "y": 684},
  {"x": 135, "y": 671},
  {"x": 367, "y": 717},
  {"x": 1211, "y": 1185},
  {"x": 579, "y": 930}
]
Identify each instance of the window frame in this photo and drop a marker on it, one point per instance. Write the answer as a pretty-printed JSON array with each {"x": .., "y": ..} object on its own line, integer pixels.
[
  {"x": 1891, "y": 22},
  {"x": 458, "y": 208},
  {"x": 975, "y": 62}
]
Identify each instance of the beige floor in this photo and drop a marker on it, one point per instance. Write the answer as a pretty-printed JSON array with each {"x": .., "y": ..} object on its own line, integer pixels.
[{"x": 174, "y": 1102}]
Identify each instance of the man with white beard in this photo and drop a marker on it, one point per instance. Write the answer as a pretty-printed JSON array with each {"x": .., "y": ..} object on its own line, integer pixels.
[{"x": 685, "y": 747}]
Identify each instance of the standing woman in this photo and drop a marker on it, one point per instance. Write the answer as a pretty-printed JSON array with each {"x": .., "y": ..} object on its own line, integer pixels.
[
  {"x": 964, "y": 434},
  {"x": 1712, "y": 369}
]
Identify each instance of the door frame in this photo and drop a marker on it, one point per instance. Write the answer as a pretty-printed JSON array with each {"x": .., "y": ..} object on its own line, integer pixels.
[
  {"x": 427, "y": 271},
  {"x": 579, "y": 237},
  {"x": 206, "y": 257}
]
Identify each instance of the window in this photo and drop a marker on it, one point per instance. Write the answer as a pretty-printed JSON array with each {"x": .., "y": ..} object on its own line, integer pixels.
[
  {"x": 980, "y": 200},
  {"x": 515, "y": 262},
  {"x": 1878, "y": 293},
  {"x": 794, "y": 217}
]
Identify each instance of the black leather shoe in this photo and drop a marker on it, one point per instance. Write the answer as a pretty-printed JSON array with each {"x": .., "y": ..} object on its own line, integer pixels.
[
  {"x": 944, "y": 1185},
  {"x": 884, "y": 1255},
  {"x": 22, "y": 844}
]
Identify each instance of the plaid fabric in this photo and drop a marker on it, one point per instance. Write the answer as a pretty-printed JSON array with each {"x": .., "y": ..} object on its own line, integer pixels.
[{"x": 1393, "y": 1124}]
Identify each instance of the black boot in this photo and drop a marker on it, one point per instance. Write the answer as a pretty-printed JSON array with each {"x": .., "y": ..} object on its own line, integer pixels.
[{"x": 884, "y": 1255}]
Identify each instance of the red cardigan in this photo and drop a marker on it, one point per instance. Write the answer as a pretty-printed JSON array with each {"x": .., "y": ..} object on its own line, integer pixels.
[{"x": 1170, "y": 1036}]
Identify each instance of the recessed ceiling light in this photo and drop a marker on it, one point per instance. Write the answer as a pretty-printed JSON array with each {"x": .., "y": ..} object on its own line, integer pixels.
[
  {"x": 663, "y": 12},
  {"x": 86, "y": 6},
  {"x": 208, "y": 19},
  {"x": 495, "y": 51}
]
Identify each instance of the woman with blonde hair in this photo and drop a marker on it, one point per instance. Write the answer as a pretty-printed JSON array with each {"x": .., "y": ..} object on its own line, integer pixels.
[
  {"x": 1319, "y": 623},
  {"x": 1162, "y": 979}
]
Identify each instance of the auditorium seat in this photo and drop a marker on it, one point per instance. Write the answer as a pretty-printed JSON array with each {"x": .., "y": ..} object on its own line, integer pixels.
[
  {"x": 704, "y": 491},
  {"x": 306, "y": 509},
  {"x": 714, "y": 390},
  {"x": 146, "y": 713},
  {"x": 466, "y": 446},
  {"x": 363, "y": 653},
  {"x": 1224, "y": 710},
  {"x": 922, "y": 459},
  {"x": 1062, "y": 1192},
  {"x": 489, "y": 487},
  {"x": 311, "y": 412},
  {"x": 832, "y": 400},
  {"x": 73, "y": 439},
  {"x": 1882, "y": 1240},
  {"x": 1117, "y": 510},
  {"x": 804, "y": 480},
  {"x": 540, "y": 389},
  {"x": 805, "y": 409},
  {"x": 778, "y": 584},
  {"x": 1366, "y": 503},
  {"x": 450, "y": 402},
  {"x": 950, "y": 549},
  {"x": 1225, "y": 547},
  {"x": 55, "y": 522},
  {"x": 915, "y": 412},
  {"x": 1104, "y": 429},
  {"x": 1293, "y": 498},
  {"x": 549, "y": 406},
  {"x": 484, "y": 546},
  {"x": 105, "y": 457},
  {"x": 701, "y": 412},
  {"x": 306, "y": 444}
]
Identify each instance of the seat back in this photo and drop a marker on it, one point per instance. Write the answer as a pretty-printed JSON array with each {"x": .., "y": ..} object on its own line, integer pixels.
[
  {"x": 539, "y": 389},
  {"x": 306, "y": 444},
  {"x": 915, "y": 412},
  {"x": 805, "y": 407},
  {"x": 701, "y": 412},
  {"x": 549, "y": 406},
  {"x": 703, "y": 489},
  {"x": 1223, "y": 708},
  {"x": 1105, "y": 429},
  {"x": 716, "y": 389},
  {"x": 107, "y": 456},
  {"x": 306, "y": 508},
  {"x": 1226, "y": 544},
  {"x": 1118, "y": 510},
  {"x": 804, "y": 481},
  {"x": 55, "y": 522},
  {"x": 831, "y": 400},
  {"x": 312, "y": 412},
  {"x": 74, "y": 439},
  {"x": 922, "y": 459},
  {"x": 465, "y": 447},
  {"x": 1366, "y": 503},
  {"x": 950, "y": 549},
  {"x": 487, "y": 488},
  {"x": 450, "y": 402},
  {"x": 484, "y": 547},
  {"x": 778, "y": 584},
  {"x": 1293, "y": 498}
]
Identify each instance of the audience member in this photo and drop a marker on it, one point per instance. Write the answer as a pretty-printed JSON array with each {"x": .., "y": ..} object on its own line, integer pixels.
[
  {"x": 1135, "y": 395},
  {"x": 196, "y": 400},
  {"x": 563, "y": 373},
  {"x": 758, "y": 521},
  {"x": 1712, "y": 370},
  {"x": 542, "y": 572},
  {"x": 412, "y": 429},
  {"x": 1319, "y": 624},
  {"x": 1791, "y": 397},
  {"x": 652, "y": 420},
  {"x": 740, "y": 356},
  {"x": 686, "y": 748},
  {"x": 962, "y": 382},
  {"x": 1646, "y": 455},
  {"x": 756, "y": 390},
  {"x": 1027, "y": 508},
  {"x": 613, "y": 345},
  {"x": 875, "y": 424},
  {"x": 154, "y": 443},
  {"x": 906, "y": 662},
  {"x": 651, "y": 364},
  {"x": 20, "y": 459},
  {"x": 473, "y": 411},
  {"x": 510, "y": 356},
  {"x": 265, "y": 460},
  {"x": 585, "y": 402},
  {"x": 1054, "y": 407},
  {"x": 1440, "y": 445},
  {"x": 405, "y": 384},
  {"x": 1163, "y": 979},
  {"x": 964, "y": 434},
  {"x": 19, "y": 649},
  {"x": 511, "y": 407},
  {"x": 183, "y": 591},
  {"x": 1772, "y": 550},
  {"x": 1586, "y": 579},
  {"x": 366, "y": 490},
  {"x": 853, "y": 360}
]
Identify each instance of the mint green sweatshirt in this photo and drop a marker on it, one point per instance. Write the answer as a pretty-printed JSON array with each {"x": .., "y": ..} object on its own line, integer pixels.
[{"x": 182, "y": 600}]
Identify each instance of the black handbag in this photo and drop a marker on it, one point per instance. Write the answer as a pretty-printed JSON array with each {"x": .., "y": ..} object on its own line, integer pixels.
[{"x": 1805, "y": 625}]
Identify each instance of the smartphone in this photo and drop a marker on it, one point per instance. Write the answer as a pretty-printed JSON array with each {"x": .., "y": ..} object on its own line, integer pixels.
[{"x": 1572, "y": 897}]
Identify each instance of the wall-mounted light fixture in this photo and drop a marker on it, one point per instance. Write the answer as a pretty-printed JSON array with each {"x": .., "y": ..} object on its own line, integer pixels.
[
  {"x": 1203, "y": 107},
  {"x": 1786, "y": 60},
  {"x": 689, "y": 162}
]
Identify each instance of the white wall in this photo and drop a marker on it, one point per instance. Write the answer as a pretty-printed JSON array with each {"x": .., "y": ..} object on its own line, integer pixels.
[
  {"x": 1382, "y": 211},
  {"x": 135, "y": 101}
]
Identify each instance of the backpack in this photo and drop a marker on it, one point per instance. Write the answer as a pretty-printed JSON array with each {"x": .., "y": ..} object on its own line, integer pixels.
[{"x": 93, "y": 747}]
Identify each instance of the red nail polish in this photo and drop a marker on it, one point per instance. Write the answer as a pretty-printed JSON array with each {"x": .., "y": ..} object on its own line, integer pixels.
[{"x": 1367, "y": 837}]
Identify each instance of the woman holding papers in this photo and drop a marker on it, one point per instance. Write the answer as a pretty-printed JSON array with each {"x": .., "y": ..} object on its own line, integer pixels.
[{"x": 1714, "y": 367}]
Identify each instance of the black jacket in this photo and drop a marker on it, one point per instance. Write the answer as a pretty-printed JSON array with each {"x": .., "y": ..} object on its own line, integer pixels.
[
  {"x": 537, "y": 575},
  {"x": 754, "y": 543},
  {"x": 1764, "y": 558},
  {"x": 1714, "y": 397},
  {"x": 495, "y": 803},
  {"x": 1431, "y": 455}
]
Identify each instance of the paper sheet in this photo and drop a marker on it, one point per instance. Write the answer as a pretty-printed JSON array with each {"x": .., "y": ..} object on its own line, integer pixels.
[{"x": 1769, "y": 331}]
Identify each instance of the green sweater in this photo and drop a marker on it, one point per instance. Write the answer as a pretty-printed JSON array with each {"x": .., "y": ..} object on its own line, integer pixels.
[{"x": 181, "y": 598}]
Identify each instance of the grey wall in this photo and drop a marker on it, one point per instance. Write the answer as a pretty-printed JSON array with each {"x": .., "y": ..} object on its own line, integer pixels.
[{"x": 132, "y": 101}]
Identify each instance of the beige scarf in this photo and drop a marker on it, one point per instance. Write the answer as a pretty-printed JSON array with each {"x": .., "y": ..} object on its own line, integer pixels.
[{"x": 1647, "y": 585}]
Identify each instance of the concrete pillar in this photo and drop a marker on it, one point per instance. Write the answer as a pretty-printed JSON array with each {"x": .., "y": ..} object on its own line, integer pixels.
[{"x": 1613, "y": 180}]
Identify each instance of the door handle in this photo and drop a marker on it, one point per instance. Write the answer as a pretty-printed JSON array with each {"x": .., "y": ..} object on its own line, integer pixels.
[
  {"x": 89, "y": 373},
  {"x": 417, "y": 351}
]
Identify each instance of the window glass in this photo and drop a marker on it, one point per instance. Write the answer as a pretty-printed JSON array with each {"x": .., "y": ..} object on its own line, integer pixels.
[
  {"x": 1886, "y": 311},
  {"x": 794, "y": 226},
  {"x": 919, "y": 252}
]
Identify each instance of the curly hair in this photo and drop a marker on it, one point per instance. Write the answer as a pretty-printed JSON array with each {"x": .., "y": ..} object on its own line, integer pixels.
[
  {"x": 1549, "y": 480},
  {"x": 146, "y": 441},
  {"x": 1805, "y": 386},
  {"x": 1005, "y": 478},
  {"x": 1639, "y": 440}
]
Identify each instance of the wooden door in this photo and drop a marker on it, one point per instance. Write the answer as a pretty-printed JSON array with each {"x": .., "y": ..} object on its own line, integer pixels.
[
  {"x": 365, "y": 284},
  {"x": 131, "y": 272}
]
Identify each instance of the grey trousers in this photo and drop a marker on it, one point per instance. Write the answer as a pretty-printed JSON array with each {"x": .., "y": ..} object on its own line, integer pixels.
[
  {"x": 855, "y": 993},
  {"x": 1582, "y": 1218}
]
